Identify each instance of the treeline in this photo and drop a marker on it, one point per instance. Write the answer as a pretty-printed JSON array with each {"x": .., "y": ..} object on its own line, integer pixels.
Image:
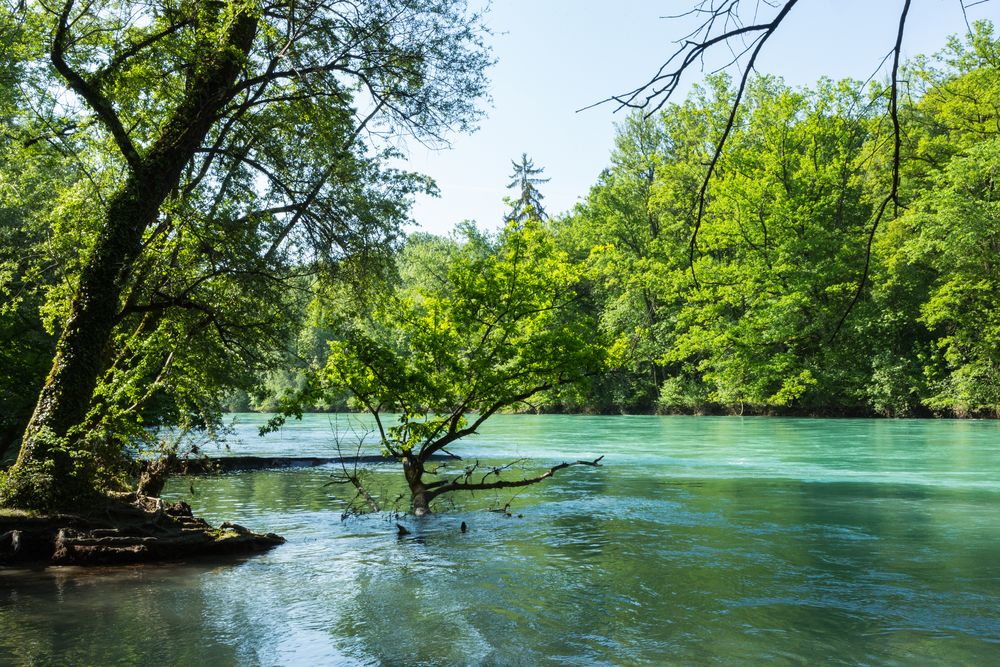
[
  {"x": 762, "y": 311},
  {"x": 789, "y": 300},
  {"x": 799, "y": 284}
]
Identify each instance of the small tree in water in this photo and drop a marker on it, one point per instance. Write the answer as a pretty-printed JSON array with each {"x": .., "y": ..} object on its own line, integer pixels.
[{"x": 493, "y": 323}]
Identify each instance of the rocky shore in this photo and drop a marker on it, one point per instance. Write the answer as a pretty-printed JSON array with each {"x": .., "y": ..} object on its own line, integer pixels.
[{"x": 127, "y": 530}]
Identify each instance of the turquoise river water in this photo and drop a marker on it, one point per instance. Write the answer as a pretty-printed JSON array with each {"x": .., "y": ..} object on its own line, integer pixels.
[{"x": 730, "y": 541}]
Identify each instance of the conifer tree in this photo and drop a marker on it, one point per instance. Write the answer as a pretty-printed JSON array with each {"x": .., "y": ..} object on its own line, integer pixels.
[{"x": 529, "y": 200}]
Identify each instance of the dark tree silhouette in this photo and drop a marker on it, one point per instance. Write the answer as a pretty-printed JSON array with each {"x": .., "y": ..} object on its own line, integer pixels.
[{"x": 529, "y": 200}]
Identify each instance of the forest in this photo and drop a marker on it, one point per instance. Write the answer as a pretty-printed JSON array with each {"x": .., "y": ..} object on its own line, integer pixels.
[
  {"x": 790, "y": 300},
  {"x": 733, "y": 397},
  {"x": 186, "y": 237}
]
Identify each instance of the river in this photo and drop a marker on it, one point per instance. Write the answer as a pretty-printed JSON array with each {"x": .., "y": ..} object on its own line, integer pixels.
[{"x": 699, "y": 541}]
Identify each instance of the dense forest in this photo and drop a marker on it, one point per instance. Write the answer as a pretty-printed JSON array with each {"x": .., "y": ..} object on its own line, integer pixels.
[
  {"x": 794, "y": 298},
  {"x": 199, "y": 229}
]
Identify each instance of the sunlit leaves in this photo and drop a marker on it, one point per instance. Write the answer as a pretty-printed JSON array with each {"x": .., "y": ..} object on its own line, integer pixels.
[
  {"x": 782, "y": 246},
  {"x": 482, "y": 324}
]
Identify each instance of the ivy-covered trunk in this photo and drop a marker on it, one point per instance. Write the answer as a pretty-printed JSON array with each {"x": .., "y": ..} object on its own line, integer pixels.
[
  {"x": 83, "y": 349},
  {"x": 47, "y": 473}
]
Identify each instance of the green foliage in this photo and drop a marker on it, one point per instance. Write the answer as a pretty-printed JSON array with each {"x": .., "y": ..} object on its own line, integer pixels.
[
  {"x": 958, "y": 237},
  {"x": 178, "y": 174},
  {"x": 759, "y": 313},
  {"x": 485, "y": 323},
  {"x": 67, "y": 478},
  {"x": 25, "y": 346}
]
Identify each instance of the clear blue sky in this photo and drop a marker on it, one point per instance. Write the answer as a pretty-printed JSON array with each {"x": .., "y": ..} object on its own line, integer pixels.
[{"x": 556, "y": 56}]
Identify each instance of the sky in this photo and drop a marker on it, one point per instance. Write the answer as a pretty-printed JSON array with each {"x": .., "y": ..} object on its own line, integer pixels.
[{"x": 555, "y": 57}]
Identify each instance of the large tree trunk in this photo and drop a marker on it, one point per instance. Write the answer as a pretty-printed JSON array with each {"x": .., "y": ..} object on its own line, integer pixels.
[{"x": 83, "y": 350}]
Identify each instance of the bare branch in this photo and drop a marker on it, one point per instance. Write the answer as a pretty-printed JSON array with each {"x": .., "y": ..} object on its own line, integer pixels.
[
  {"x": 505, "y": 484},
  {"x": 702, "y": 194},
  {"x": 893, "y": 196}
]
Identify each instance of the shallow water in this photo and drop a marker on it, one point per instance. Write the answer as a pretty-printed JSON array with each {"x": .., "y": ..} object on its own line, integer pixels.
[{"x": 701, "y": 541}]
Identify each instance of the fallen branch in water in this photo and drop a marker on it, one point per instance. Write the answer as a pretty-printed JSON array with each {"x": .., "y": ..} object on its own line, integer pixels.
[
  {"x": 208, "y": 466},
  {"x": 461, "y": 482},
  {"x": 352, "y": 477}
]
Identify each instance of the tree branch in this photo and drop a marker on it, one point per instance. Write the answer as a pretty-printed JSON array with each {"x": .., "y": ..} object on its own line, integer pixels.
[
  {"x": 505, "y": 484},
  {"x": 454, "y": 435},
  {"x": 97, "y": 101},
  {"x": 119, "y": 58},
  {"x": 720, "y": 145},
  {"x": 893, "y": 196}
]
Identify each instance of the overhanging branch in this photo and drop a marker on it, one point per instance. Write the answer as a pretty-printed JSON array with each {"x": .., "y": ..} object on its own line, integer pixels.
[
  {"x": 94, "y": 98},
  {"x": 893, "y": 196}
]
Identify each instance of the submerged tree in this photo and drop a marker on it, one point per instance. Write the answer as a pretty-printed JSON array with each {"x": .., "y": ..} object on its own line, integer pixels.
[
  {"x": 524, "y": 180},
  {"x": 214, "y": 144},
  {"x": 493, "y": 323}
]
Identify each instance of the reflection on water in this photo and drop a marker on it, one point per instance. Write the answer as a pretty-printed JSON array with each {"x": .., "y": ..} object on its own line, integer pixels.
[{"x": 736, "y": 541}]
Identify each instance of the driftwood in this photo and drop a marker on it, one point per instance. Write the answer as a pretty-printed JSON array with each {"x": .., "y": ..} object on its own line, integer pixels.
[{"x": 208, "y": 466}]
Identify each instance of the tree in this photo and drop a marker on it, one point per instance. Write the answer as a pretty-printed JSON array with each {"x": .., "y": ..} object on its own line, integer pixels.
[
  {"x": 963, "y": 307},
  {"x": 219, "y": 141},
  {"x": 783, "y": 241},
  {"x": 490, "y": 323},
  {"x": 529, "y": 200},
  {"x": 745, "y": 30},
  {"x": 780, "y": 228},
  {"x": 624, "y": 240}
]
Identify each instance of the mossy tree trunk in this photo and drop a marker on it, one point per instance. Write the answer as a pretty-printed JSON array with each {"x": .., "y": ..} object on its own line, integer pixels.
[{"x": 83, "y": 350}]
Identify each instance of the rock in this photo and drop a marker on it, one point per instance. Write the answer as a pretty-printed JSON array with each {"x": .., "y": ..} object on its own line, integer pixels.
[{"x": 122, "y": 533}]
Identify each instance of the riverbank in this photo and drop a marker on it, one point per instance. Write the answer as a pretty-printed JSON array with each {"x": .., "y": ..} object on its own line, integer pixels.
[
  {"x": 124, "y": 531},
  {"x": 714, "y": 410}
]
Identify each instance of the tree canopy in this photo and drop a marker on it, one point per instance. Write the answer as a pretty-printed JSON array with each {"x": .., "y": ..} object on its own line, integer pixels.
[
  {"x": 483, "y": 324},
  {"x": 767, "y": 315},
  {"x": 525, "y": 181},
  {"x": 185, "y": 160}
]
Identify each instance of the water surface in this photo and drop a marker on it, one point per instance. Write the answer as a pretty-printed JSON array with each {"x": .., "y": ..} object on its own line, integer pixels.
[{"x": 701, "y": 541}]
